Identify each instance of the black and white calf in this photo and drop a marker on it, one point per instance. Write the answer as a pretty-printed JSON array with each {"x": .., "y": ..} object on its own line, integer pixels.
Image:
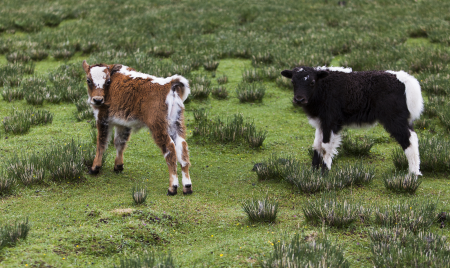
[{"x": 334, "y": 97}]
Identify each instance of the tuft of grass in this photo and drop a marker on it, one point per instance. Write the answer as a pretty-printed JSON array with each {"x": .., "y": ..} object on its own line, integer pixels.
[
  {"x": 34, "y": 99},
  {"x": 356, "y": 146},
  {"x": 399, "y": 248},
  {"x": 414, "y": 215},
  {"x": 200, "y": 92},
  {"x": 233, "y": 129},
  {"x": 26, "y": 170},
  {"x": 437, "y": 84},
  {"x": 283, "y": 82},
  {"x": 19, "y": 122},
  {"x": 402, "y": 182},
  {"x": 62, "y": 54},
  {"x": 220, "y": 92},
  {"x": 65, "y": 163},
  {"x": 201, "y": 80},
  {"x": 139, "y": 193},
  {"x": 12, "y": 80},
  {"x": 274, "y": 167},
  {"x": 211, "y": 65},
  {"x": 200, "y": 115},
  {"x": 250, "y": 92},
  {"x": 334, "y": 212},
  {"x": 260, "y": 59},
  {"x": 150, "y": 260},
  {"x": 58, "y": 163},
  {"x": 222, "y": 79},
  {"x": 300, "y": 252},
  {"x": 423, "y": 124},
  {"x": 11, "y": 234},
  {"x": 6, "y": 183},
  {"x": 38, "y": 54},
  {"x": 264, "y": 210},
  {"x": 84, "y": 110},
  {"x": 162, "y": 51},
  {"x": 10, "y": 94},
  {"x": 252, "y": 75},
  {"x": 310, "y": 180},
  {"x": 18, "y": 57},
  {"x": 270, "y": 73}
]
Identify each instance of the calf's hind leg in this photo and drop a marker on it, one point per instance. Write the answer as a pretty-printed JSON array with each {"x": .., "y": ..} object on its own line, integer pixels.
[
  {"x": 183, "y": 157},
  {"x": 407, "y": 138},
  {"x": 163, "y": 140},
  {"x": 121, "y": 137}
]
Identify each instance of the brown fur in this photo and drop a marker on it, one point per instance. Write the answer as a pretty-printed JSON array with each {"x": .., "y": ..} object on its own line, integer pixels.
[{"x": 136, "y": 100}]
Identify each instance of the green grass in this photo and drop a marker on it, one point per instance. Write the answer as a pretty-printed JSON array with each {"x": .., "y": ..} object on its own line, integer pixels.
[{"x": 95, "y": 223}]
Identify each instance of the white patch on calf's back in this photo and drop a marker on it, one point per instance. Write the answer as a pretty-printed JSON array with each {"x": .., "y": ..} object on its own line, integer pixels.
[
  {"x": 334, "y": 69},
  {"x": 133, "y": 74},
  {"x": 158, "y": 80},
  {"x": 413, "y": 93},
  {"x": 98, "y": 76}
]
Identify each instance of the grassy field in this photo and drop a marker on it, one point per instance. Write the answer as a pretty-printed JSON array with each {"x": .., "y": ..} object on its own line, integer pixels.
[{"x": 93, "y": 222}]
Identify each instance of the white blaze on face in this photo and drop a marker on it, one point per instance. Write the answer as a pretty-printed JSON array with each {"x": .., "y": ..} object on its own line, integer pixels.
[{"x": 98, "y": 76}]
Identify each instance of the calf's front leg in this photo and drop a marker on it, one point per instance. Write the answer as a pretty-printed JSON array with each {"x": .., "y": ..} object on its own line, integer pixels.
[
  {"x": 330, "y": 143},
  {"x": 317, "y": 146},
  {"x": 103, "y": 132},
  {"x": 121, "y": 137}
]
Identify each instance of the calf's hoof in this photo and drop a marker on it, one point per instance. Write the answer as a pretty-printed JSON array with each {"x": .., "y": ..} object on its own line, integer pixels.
[
  {"x": 174, "y": 192},
  {"x": 94, "y": 170},
  {"x": 118, "y": 168},
  {"x": 187, "y": 189}
]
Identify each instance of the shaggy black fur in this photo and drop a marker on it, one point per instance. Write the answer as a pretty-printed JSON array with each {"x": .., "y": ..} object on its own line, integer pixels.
[{"x": 338, "y": 99}]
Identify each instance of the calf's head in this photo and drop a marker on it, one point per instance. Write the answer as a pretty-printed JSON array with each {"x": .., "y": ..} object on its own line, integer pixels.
[
  {"x": 304, "y": 80},
  {"x": 98, "y": 78}
]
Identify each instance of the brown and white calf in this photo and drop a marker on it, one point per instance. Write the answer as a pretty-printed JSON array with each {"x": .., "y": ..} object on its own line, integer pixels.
[{"x": 129, "y": 100}]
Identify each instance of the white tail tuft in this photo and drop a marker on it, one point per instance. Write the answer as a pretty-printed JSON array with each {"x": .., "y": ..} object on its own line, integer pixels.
[
  {"x": 185, "y": 82},
  {"x": 413, "y": 93}
]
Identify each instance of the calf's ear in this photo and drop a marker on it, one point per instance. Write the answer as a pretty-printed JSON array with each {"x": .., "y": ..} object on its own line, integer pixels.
[
  {"x": 86, "y": 67},
  {"x": 115, "y": 68},
  {"x": 321, "y": 74},
  {"x": 287, "y": 73}
]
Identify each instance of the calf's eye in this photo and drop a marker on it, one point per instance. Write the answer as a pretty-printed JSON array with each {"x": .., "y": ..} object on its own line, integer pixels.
[
  {"x": 88, "y": 81},
  {"x": 108, "y": 82}
]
